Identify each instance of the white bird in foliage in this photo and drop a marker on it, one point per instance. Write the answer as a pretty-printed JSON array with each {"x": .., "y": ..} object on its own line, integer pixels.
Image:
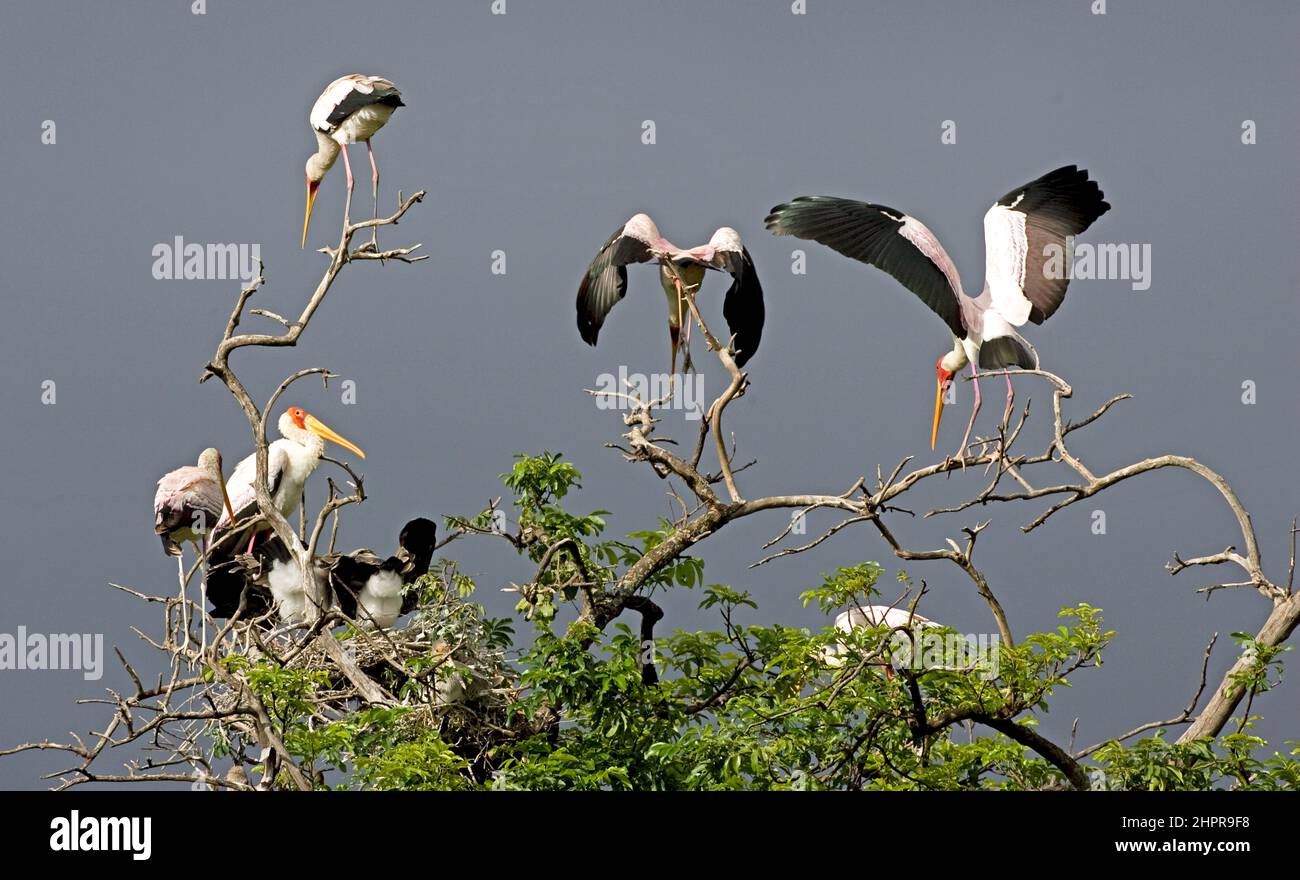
[
  {"x": 872, "y": 617},
  {"x": 350, "y": 110},
  {"x": 1023, "y": 232}
]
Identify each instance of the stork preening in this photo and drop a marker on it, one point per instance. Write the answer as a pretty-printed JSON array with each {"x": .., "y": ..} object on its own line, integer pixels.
[
  {"x": 186, "y": 508},
  {"x": 350, "y": 110},
  {"x": 289, "y": 462},
  {"x": 1026, "y": 233},
  {"x": 681, "y": 272}
]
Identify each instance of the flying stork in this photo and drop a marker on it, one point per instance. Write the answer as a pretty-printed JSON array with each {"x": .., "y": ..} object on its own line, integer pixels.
[
  {"x": 289, "y": 462},
  {"x": 1022, "y": 232},
  {"x": 681, "y": 272},
  {"x": 351, "y": 109}
]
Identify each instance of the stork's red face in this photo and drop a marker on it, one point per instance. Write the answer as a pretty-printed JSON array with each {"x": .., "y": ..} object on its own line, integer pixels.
[
  {"x": 942, "y": 381},
  {"x": 308, "y": 422}
]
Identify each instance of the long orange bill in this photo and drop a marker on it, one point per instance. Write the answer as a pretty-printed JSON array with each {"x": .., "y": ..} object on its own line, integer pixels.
[
  {"x": 311, "y": 200},
  {"x": 230, "y": 511},
  {"x": 320, "y": 429},
  {"x": 938, "y": 412}
]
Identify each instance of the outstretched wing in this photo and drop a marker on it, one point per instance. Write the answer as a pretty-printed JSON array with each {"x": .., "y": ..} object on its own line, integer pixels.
[
  {"x": 605, "y": 282},
  {"x": 1028, "y": 242},
  {"x": 882, "y": 237}
]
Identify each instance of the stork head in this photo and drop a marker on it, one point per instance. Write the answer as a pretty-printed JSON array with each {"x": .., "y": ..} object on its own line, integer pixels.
[
  {"x": 210, "y": 462},
  {"x": 297, "y": 422},
  {"x": 945, "y": 369},
  {"x": 317, "y": 165}
]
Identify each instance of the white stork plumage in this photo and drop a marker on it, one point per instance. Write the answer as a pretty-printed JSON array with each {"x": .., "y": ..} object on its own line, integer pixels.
[
  {"x": 1021, "y": 232},
  {"x": 681, "y": 272},
  {"x": 901, "y": 620},
  {"x": 290, "y": 461},
  {"x": 350, "y": 110}
]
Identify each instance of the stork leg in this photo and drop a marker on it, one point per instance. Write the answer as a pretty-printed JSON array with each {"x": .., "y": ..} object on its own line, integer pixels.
[
  {"x": 688, "y": 366},
  {"x": 683, "y": 326},
  {"x": 674, "y": 335},
  {"x": 185, "y": 611},
  {"x": 347, "y": 166},
  {"x": 975, "y": 381},
  {"x": 203, "y": 596},
  {"x": 374, "y": 196}
]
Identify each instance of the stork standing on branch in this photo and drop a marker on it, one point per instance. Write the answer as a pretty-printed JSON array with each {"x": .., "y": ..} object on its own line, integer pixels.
[
  {"x": 351, "y": 109},
  {"x": 1026, "y": 233},
  {"x": 186, "y": 507},
  {"x": 681, "y": 272}
]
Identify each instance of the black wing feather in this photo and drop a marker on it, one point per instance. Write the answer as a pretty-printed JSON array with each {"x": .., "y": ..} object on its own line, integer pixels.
[
  {"x": 870, "y": 233},
  {"x": 357, "y": 99},
  {"x": 1058, "y": 205},
  {"x": 605, "y": 282},
  {"x": 743, "y": 306}
]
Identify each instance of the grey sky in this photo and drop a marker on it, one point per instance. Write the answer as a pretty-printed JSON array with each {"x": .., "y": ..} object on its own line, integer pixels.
[{"x": 525, "y": 129}]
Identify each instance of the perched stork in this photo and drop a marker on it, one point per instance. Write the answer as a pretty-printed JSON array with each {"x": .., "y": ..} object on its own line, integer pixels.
[
  {"x": 351, "y": 109},
  {"x": 1022, "y": 231},
  {"x": 187, "y": 506},
  {"x": 368, "y": 589},
  {"x": 681, "y": 272},
  {"x": 289, "y": 462}
]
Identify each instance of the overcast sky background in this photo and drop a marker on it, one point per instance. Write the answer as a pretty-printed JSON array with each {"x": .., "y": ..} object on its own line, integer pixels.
[{"x": 526, "y": 131}]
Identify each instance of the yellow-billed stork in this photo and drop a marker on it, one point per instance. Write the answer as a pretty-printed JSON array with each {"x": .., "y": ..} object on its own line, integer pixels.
[
  {"x": 351, "y": 109},
  {"x": 681, "y": 272},
  {"x": 1022, "y": 232},
  {"x": 290, "y": 461}
]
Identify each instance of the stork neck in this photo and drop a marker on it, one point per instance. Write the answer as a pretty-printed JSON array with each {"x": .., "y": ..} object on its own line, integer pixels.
[
  {"x": 327, "y": 151},
  {"x": 954, "y": 360},
  {"x": 313, "y": 444}
]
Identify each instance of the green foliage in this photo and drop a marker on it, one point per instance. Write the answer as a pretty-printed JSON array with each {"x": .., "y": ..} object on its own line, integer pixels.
[{"x": 742, "y": 706}]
